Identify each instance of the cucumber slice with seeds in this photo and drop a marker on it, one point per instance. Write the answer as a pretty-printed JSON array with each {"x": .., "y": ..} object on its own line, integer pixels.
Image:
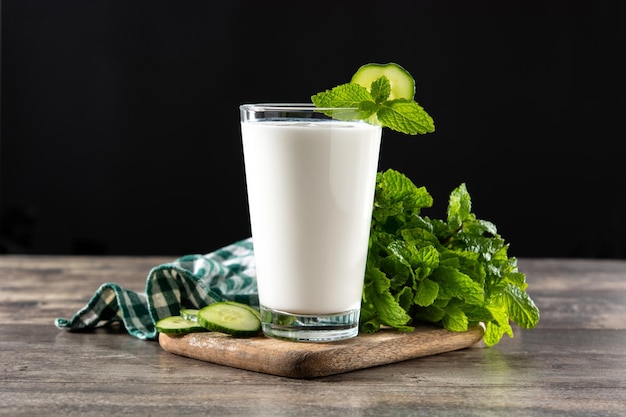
[
  {"x": 189, "y": 314},
  {"x": 230, "y": 317},
  {"x": 177, "y": 325},
  {"x": 402, "y": 83}
]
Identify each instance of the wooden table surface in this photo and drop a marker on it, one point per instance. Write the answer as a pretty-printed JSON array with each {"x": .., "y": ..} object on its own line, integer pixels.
[{"x": 572, "y": 364}]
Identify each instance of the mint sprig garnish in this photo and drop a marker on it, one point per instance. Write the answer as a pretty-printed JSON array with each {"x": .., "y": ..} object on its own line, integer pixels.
[
  {"x": 454, "y": 272},
  {"x": 401, "y": 114}
]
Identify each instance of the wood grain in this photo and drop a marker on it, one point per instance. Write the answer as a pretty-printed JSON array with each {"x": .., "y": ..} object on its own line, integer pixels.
[{"x": 309, "y": 360}]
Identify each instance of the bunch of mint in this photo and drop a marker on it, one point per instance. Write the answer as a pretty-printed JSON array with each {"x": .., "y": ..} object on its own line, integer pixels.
[
  {"x": 357, "y": 102},
  {"x": 454, "y": 273}
]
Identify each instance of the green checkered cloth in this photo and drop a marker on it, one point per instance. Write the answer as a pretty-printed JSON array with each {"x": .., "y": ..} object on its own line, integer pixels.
[{"x": 192, "y": 281}]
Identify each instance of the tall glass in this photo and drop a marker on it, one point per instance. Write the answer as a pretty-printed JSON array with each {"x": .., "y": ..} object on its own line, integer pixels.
[{"x": 310, "y": 182}]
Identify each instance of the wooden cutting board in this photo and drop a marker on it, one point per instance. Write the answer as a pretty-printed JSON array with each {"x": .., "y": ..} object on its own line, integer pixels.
[{"x": 309, "y": 360}]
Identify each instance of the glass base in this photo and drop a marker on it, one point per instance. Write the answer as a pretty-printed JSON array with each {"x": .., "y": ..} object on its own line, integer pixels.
[{"x": 310, "y": 328}]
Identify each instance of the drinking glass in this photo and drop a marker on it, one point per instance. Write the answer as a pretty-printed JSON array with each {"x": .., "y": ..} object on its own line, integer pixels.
[{"x": 310, "y": 183}]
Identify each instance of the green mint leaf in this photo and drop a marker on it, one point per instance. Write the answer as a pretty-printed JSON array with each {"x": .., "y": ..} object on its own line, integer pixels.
[
  {"x": 420, "y": 236},
  {"x": 394, "y": 187},
  {"x": 516, "y": 278},
  {"x": 380, "y": 90},
  {"x": 370, "y": 324},
  {"x": 500, "y": 316},
  {"x": 406, "y": 117},
  {"x": 348, "y": 96},
  {"x": 345, "y": 95},
  {"x": 376, "y": 296},
  {"x": 477, "y": 314},
  {"x": 432, "y": 314},
  {"x": 455, "y": 320},
  {"x": 425, "y": 260},
  {"x": 520, "y": 307},
  {"x": 368, "y": 111},
  {"x": 404, "y": 298},
  {"x": 459, "y": 207},
  {"x": 427, "y": 292},
  {"x": 453, "y": 283},
  {"x": 493, "y": 333}
]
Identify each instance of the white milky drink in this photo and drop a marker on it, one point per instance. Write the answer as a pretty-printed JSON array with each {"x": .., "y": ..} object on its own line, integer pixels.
[{"x": 310, "y": 190}]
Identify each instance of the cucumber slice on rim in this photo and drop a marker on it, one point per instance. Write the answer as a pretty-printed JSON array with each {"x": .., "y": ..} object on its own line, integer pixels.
[
  {"x": 402, "y": 83},
  {"x": 230, "y": 317},
  {"x": 177, "y": 325}
]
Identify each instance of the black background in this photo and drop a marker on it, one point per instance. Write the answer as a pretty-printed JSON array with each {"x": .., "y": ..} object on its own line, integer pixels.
[{"x": 120, "y": 123}]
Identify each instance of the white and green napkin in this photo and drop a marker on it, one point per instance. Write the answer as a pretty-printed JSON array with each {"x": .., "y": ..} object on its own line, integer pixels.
[{"x": 192, "y": 281}]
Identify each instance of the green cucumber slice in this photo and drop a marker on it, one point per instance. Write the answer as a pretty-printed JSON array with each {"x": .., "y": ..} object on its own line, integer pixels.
[
  {"x": 230, "y": 317},
  {"x": 177, "y": 325},
  {"x": 402, "y": 83},
  {"x": 189, "y": 314},
  {"x": 252, "y": 309}
]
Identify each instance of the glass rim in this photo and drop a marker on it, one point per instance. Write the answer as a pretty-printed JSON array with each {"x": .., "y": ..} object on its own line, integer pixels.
[{"x": 259, "y": 107}]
